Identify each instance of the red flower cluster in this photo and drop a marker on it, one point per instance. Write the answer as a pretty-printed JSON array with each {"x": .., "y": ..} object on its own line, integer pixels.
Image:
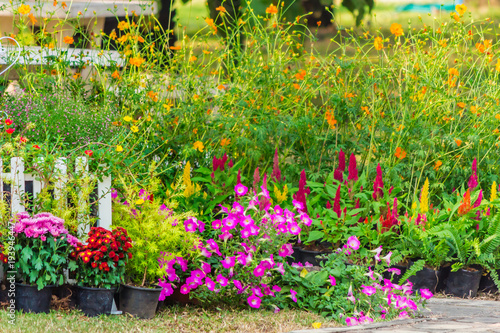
[{"x": 104, "y": 248}]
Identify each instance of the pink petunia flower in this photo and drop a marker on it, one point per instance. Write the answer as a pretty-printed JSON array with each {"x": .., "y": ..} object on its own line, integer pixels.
[
  {"x": 240, "y": 190},
  {"x": 254, "y": 301}
]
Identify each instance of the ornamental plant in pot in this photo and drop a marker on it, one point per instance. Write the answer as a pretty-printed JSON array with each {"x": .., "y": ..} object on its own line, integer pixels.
[
  {"x": 427, "y": 251},
  {"x": 241, "y": 255},
  {"x": 41, "y": 252},
  {"x": 475, "y": 242},
  {"x": 100, "y": 268},
  {"x": 154, "y": 229}
]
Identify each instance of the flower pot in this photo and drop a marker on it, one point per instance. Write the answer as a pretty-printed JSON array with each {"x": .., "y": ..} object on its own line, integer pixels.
[
  {"x": 311, "y": 257},
  {"x": 30, "y": 299},
  {"x": 427, "y": 278},
  {"x": 296, "y": 256},
  {"x": 180, "y": 299},
  {"x": 393, "y": 277},
  {"x": 139, "y": 302},
  {"x": 94, "y": 301},
  {"x": 487, "y": 285},
  {"x": 463, "y": 283}
]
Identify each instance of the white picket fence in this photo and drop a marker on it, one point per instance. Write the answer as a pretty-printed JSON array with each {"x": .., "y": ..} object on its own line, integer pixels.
[{"x": 18, "y": 179}]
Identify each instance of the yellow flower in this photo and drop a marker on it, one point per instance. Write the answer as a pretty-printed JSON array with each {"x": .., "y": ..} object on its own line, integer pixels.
[
  {"x": 461, "y": 9},
  {"x": 136, "y": 61},
  {"x": 119, "y": 148},
  {"x": 396, "y": 29},
  {"x": 272, "y": 9},
  {"x": 493, "y": 195},
  {"x": 497, "y": 66},
  {"x": 424, "y": 200},
  {"x": 134, "y": 129},
  {"x": 127, "y": 118},
  {"x": 186, "y": 174},
  {"x": 280, "y": 196},
  {"x": 198, "y": 145},
  {"x": 123, "y": 25},
  {"x": 24, "y": 9},
  {"x": 192, "y": 58},
  {"x": 316, "y": 325},
  {"x": 378, "y": 43},
  {"x": 139, "y": 201},
  {"x": 69, "y": 40}
]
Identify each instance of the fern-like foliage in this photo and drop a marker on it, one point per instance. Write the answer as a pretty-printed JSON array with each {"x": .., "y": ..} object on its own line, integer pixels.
[{"x": 414, "y": 269}]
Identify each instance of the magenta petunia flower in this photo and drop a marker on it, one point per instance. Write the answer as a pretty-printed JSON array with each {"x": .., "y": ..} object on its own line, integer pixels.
[
  {"x": 294, "y": 228},
  {"x": 245, "y": 233},
  {"x": 240, "y": 190},
  {"x": 353, "y": 242},
  {"x": 254, "y": 301},
  {"x": 190, "y": 225},
  {"x": 216, "y": 224},
  {"x": 229, "y": 222},
  {"x": 280, "y": 268},
  {"x": 365, "y": 320},
  {"x": 333, "y": 282},
  {"x": 185, "y": 289},
  {"x": 238, "y": 284},
  {"x": 293, "y": 294},
  {"x": 394, "y": 271},
  {"x": 305, "y": 219},
  {"x": 377, "y": 251},
  {"x": 387, "y": 258},
  {"x": 228, "y": 262},
  {"x": 298, "y": 205},
  {"x": 403, "y": 315},
  {"x": 222, "y": 280},
  {"x": 286, "y": 250},
  {"x": 351, "y": 321},
  {"x": 368, "y": 290},
  {"x": 210, "y": 284},
  {"x": 206, "y": 268},
  {"x": 426, "y": 293},
  {"x": 259, "y": 271},
  {"x": 213, "y": 246}
]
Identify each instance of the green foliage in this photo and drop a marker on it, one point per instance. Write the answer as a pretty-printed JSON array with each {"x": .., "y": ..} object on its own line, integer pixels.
[{"x": 154, "y": 228}]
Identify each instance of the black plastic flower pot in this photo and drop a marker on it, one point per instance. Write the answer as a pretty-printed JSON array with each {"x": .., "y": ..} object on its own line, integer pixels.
[
  {"x": 94, "y": 301},
  {"x": 311, "y": 257},
  {"x": 296, "y": 256},
  {"x": 487, "y": 285},
  {"x": 463, "y": 283},
  {"x": 139, "y": 302},
  {"x": 393, "y": 277},
  {"x": 427, "y": 278},
  {"x": 30, "y": 299}
]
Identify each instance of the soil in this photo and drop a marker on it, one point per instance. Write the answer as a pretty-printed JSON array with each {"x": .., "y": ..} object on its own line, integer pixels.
[{"x": 316, "y": 247}]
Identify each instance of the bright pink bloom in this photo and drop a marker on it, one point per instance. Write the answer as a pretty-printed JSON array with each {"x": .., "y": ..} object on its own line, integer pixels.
[
  {"x": 368, "y": 290},
  {"x": 228, "y": 262},
  {"x": 333, "y": 282},
  {"x": 336, "y": 203},
  {"x": 351, "y": 321},
  {"x": 378, "y": 185},
  {"x": 353, "y": 169},
  {"x": 185, "y": 289},
  {"x": 259, "y": 271},
  {"x": 254, "y": 301},
  {"x": 426, "y": 293},
  {"x": 276, "y": 174},
  {"x": 353, "y": 242},
  {"x": 293, "y": 294},
  {"x": 222, "y": 280},
  {"x": 286, "y": 250}
]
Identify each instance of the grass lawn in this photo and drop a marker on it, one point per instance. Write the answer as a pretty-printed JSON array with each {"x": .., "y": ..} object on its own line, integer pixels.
[{"x": 172, "y": 319}]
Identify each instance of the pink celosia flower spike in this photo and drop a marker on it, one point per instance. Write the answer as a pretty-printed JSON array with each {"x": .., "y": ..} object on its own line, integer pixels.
[
  {"x": 336, "y": 203},
  {"x": 353, "y": 169},
  {"x": 341, "y": 161},
  {"x": 473, "y": 180},
  {"x": 378, "y": 184},
  {"x": 276, "y": 174}
]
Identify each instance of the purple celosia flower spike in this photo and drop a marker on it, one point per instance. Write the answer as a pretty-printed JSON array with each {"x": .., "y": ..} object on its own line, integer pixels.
[
  {"x": 300, "y": 196},
  {"x": 230, "y": 164},
  {"x": 223, "y": 161},
  {"x": 336, "y": 203},
  {"x": 353, "y": 169},
  {"x": 341, "y": 161},
  {"x": 378, "y": 184},
  {"x": 473, "y": 181},
  {"x": 256, "y": 179},
  {"x": 276, "y": 175}
]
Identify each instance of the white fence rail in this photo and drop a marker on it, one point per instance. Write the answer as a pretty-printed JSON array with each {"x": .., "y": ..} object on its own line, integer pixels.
[{"x": 18, "y": 180}]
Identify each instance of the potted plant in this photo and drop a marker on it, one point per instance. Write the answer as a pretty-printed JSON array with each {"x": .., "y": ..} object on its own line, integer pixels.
[
  {"x": 427, "y": 247},
  {"x": 41, "y": 252},
  {"x": 100, "y": 268},
  {"x": 154, "y": 229}
]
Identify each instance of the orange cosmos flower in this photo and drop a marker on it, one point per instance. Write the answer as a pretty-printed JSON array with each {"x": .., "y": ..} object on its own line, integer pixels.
[
  {"x": 272, "y": 9},
  {"x": 438, "y": 165},
  {"x": 69, "y": 40},
  {"x": 378, "y": 43},
  {"x": 397, "y": 29},
  {"x": 221, "y": 9},
  {"x": 32, "y": 18},
  {"x": 136, "y": 61},
  {"x": 64, "y": 5},
  {"x": 465, "y": 204},
  {"x": 225, "y": 142},
  {"x": 115, "y": 75},
  {"x": 458, "y": 142},
  {"x": 400, "y": 153}
]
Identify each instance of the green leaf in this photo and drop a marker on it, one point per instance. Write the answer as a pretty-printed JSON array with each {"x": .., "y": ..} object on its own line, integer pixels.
[{"x": 315, "y": 235}]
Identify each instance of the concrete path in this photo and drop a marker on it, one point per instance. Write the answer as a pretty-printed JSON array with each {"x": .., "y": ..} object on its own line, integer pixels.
[{"x": 443, "y": 316}]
